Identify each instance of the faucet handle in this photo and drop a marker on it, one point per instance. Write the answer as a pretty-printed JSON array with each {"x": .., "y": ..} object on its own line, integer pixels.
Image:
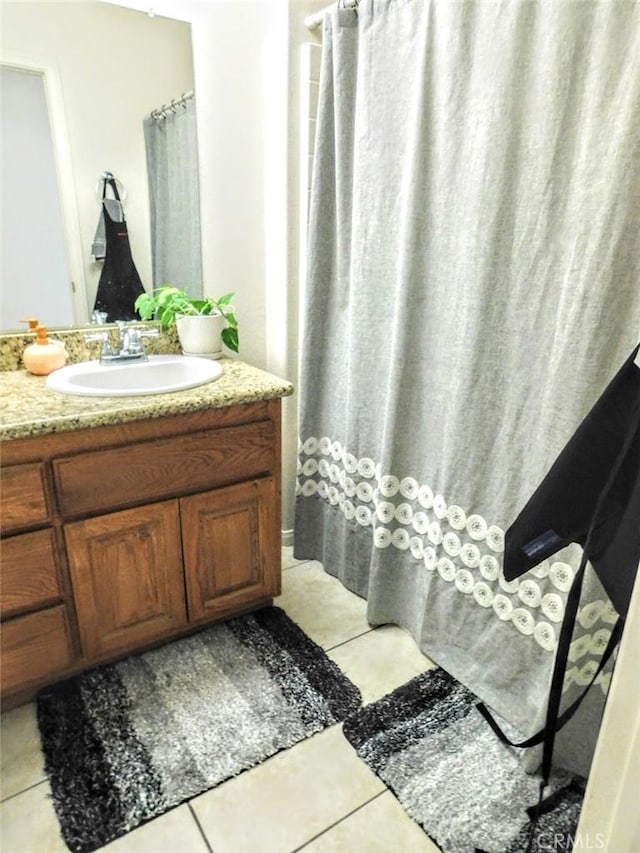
[
  {"x": 134, "y": 336},
  {"x": 104, "y": 337},
  {"x": 134, "y": 341},
  {"x": 96, "y": 336}
]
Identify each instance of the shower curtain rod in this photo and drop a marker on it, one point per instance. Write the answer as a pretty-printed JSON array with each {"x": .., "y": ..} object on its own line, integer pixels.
[
  {"x": 167, "y": 109},
  {"x": 312, "y": 22}
]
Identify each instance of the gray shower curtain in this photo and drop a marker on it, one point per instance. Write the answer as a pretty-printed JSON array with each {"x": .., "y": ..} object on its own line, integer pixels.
[
  {"x": 174, "y": 198},
  {"x": 473, "y": 284}
]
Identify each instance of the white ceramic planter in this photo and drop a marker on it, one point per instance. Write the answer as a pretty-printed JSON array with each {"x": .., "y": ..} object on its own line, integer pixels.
[{"x": 199, "y": 335}]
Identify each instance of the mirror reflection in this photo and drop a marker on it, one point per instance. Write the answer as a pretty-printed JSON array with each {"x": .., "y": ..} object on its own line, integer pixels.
[
  {"x": 35, "y": 265},
  {"x": 116, "y": 86}
]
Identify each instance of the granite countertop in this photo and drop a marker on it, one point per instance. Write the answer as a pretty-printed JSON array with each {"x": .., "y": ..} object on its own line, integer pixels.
[{"x": 29, "y": 408}]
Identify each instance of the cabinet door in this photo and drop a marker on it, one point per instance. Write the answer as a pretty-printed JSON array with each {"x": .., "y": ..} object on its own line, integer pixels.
[
  {"x": 126, "y": 572},
  {"x": 231, "y": 549}
]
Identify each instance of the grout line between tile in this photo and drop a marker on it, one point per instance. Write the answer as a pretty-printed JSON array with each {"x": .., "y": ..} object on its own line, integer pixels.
[
  {"x": 344, "y": 642},
  {"x": 204, "y": 837},
  {"x": 342, "y": 819},
  {"x": 296, "y": 565},
  {"x": 23, "y": 790}
]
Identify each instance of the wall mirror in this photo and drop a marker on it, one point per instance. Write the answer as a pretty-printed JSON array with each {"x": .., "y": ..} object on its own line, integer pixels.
[{"x": 83, "y": 77}]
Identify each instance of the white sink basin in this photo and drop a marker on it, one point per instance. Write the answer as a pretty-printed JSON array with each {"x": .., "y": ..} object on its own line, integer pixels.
[{"x": 161, "y": 374}]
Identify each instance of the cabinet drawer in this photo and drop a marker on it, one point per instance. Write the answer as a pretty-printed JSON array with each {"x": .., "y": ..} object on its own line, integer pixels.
[
  {"x": 24, "y": 502},
  {"x": 35, "y": 647},
  {"x": 29, "y": 576},
  {"x": 125, "y": 476}
]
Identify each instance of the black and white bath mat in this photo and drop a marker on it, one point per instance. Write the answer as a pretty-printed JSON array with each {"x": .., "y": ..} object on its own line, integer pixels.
[
  {"x": 430, "y": 746},
  {"x": 126, "y": 742}
]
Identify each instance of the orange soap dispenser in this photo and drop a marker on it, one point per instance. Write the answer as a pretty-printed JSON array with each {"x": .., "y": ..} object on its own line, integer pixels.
[{"x": 43, "y": 356}]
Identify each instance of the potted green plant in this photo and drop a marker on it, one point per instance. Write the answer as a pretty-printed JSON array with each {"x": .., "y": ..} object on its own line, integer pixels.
[{"x": 201, "y": 323}]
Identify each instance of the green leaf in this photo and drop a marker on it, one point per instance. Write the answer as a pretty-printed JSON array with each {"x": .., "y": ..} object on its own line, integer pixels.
[
  {"x": 144, "y": 305},
  {"x": 230, "y": 338},
  {"x": 166, "y": 315},
  {"x": 202, "y": 306}
]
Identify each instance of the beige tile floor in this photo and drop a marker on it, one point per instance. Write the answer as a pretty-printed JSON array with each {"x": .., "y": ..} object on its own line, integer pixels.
[{"x": 316, "y": 797}]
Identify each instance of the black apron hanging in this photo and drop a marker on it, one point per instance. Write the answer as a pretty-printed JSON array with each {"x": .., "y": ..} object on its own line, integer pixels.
[
  {"x": 591, "y": 495},
  {"x": 119, "y": 284},
  {"x": 572, "y": 505}
]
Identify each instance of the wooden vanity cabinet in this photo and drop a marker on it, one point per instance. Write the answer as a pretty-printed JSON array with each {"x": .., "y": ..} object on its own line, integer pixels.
[{"x": 138, "y": 533}]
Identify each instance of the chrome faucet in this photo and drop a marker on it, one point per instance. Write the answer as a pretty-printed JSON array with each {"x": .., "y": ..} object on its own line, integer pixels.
[{"x": 130, "y": 346}]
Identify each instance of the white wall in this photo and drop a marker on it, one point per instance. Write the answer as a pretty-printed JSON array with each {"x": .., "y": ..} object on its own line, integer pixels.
[
  {"x": 610, "y": 812},
  {"x": 115, "y": 65},
  {"x": 228, "y": 49}
]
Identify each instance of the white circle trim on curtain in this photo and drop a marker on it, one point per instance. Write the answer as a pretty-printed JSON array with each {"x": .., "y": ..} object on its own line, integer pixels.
[{"x": 408, "y": 516}]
